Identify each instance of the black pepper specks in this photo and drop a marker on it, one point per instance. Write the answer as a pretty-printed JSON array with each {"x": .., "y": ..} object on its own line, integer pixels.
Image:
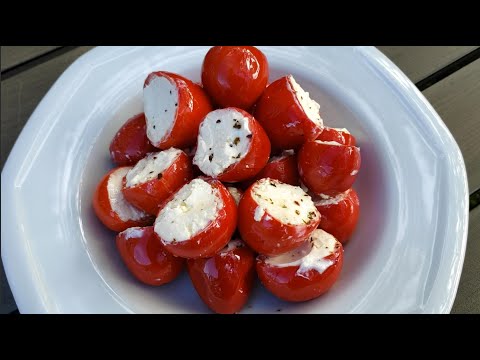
[
  {"x": 154, "y": 126},
  {"x": 249, "y": 136},
  {"x": 210, "y": 157},
  {"x": 311, "y": 215},
  {"x": 296, "y": 203},
  {"x": 236, "y": 141},
  {"x": 159, "y": 176},
  {"x": 166, "y": 110},
  {"x": 176, "y": 104},
  {"x": 297, "y": 212},
  {"x": 273, "y": 184},
  {"x": 237, "y": 124},
  {"x": 170, "y": 92},
  {"x": 218, "y": 121}
]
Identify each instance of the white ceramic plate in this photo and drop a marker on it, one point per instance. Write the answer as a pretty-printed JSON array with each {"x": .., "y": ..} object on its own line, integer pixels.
[{"x": 406, "y": 255}]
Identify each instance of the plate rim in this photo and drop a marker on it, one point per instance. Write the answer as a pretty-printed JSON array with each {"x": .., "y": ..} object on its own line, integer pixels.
[{"x": 19, "y": 249}]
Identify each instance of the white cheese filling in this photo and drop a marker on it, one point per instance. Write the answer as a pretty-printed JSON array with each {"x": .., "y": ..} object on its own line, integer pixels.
[
  {"x": 283, "y": 155},
  {"x": 328, "y": 142},
  {"x": 223, "y": 140},
  {"x": 309, "y": 106},
  {"x": 304, "y": 187},
  {"x": 310, "y": 255},
  {"x": 192, "y": 208},
  {"x": 133, "y": 232},
  {"x": 151, "y": 167},
  {"x": 119, "y": 204},
  {"x": 160, "y": 103},
  {"x": 237, "y": 195},
  {"x": 232, "y": 245},
  {"x": 259, "y": 212},
  {"x": 342, "y": 130},
  {"x": 286, "y": 203},
  {"x": 331, "y": 200}
]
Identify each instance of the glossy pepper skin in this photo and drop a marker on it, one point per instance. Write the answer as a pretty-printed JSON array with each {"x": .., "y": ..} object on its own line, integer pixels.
[
  {"x": 193, "y": 105},
  {"x": 268, "y": 235},
  {"x": 146, "y": 258},
  {"x": 235, "y": 75},
  {"x": 130, "y": 144},
  {"x": 338, "y": 135},
  {"x": 282, "y": 168},
  {"x": 328, "y": 169},
  {"x": 104, "y": 211},
  {"x": 224, "y": 281},
  {"x": 283, "y": 118},
  {"x": 287, "y": 284},
  {"x": 257, "y": 155},
  {"x": 340, "y": 218},
  {"x": 149, "y": 195},
  {"x": 215, "y": 235}
]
